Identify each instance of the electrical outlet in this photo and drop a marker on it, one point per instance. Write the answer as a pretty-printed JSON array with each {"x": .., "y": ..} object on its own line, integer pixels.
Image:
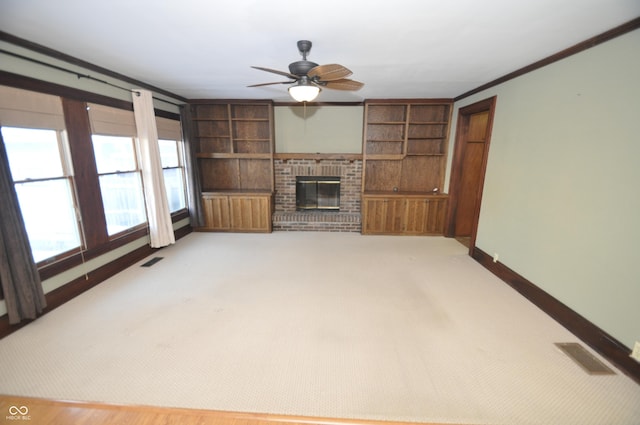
[
  {"x": 635, "y": 354},
  {"x": 495, "y": 257}
]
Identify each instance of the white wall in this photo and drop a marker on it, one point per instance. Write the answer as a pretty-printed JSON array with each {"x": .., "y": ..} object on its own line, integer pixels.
[{"x": 561, "y": 202}]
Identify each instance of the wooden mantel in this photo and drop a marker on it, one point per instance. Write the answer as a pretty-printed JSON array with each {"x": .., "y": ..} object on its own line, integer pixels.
[{"x": 318, "y": 156}]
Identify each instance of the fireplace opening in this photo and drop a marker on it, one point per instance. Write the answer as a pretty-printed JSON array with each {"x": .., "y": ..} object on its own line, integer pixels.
[{"x": 317, "y": 193}]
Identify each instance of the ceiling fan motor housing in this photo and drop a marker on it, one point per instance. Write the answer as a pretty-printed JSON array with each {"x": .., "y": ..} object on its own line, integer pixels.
[{"x": 301, "y": 68}]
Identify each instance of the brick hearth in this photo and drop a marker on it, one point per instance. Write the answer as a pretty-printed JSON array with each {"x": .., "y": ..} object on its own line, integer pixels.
[{"x": 347, "y": 219}]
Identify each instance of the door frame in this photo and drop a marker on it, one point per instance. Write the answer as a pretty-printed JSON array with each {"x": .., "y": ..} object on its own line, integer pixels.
[{"x": 462, "y": 129}]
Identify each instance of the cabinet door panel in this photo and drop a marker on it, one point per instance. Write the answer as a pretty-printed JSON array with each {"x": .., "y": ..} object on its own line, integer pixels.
[
  {"x": 383, "y": 215},
  {"x": 417, "y": 211},
  {"x": 435, "y": 220},
  {"x": 216, "y": 212},
  {"x": 250, "y": 214}
]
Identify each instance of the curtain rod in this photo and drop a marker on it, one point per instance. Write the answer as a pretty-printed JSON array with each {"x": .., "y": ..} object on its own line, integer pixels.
[{"x": 79, "y": 75}]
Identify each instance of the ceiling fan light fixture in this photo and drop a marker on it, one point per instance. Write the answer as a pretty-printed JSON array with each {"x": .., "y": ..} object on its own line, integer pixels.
[{"x": 304, "y": 92}]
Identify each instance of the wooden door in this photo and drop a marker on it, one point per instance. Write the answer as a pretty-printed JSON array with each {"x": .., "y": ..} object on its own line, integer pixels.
[{"x": 467, "y": 176}]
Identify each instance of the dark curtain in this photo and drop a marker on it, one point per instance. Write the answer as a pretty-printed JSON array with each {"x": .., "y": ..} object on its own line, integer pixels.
[
  {"x": 19, "y": 276},
  {"x": 195, "y": 208}
]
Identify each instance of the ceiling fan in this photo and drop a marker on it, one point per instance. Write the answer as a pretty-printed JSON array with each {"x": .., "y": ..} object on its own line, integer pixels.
[{"x": 308, "y": 77}]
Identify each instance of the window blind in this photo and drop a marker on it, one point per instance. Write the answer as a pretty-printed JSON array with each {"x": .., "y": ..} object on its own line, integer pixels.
[{"x": 28, "y": 109}]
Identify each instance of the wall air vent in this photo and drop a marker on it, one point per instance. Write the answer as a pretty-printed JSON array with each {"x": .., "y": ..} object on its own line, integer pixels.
[
  {"x": 152, "y": 262},
  {"x": 584, "y": 358}
]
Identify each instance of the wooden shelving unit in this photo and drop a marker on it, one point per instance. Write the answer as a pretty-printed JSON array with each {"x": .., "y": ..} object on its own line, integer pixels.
[
  {"x": 235, "y": 148},
  {"x": 404, "y": 155}
]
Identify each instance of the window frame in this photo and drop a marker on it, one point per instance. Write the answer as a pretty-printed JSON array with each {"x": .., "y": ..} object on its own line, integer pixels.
[
  {"x": 67, "y": 175},
  {"x": 137, "y": 171},
  {"x": 75, "y": 120},
  {"x": 179, "y": 147}
]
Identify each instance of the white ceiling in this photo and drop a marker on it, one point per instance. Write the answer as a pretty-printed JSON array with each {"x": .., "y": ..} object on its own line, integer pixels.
[{"x": 398, "y": 48}]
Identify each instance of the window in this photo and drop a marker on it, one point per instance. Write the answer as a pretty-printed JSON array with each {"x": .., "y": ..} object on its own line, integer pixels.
[
  {"x": 173, "y": 171},
  {"x": 120, "y": 182},
  {"x": 43, "y": 181}
]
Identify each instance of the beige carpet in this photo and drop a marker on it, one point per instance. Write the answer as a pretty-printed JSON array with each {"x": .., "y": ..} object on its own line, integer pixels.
[{"x": 316, "y": 324}]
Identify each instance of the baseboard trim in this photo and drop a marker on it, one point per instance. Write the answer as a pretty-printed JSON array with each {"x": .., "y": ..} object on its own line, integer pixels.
[{"x": 600, "y": 341}]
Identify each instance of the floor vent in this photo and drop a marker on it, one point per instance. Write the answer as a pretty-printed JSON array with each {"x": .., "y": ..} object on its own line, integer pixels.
[
  {"x": 152, "y": 262},
  {"x": 584, "y": 359}
]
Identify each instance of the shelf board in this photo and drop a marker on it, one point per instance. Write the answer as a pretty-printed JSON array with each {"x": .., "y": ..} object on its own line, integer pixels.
[
  {"x": 428, "y": 123},
  {"x": 383, "y": 157},
  {"x": 385, "y": 140},
  {"x": 220, "y": 155},
  {"x": 251, "y": 140},
  {"x": 426, "y": 138},
  {"x": 425, "y": 154},
  {"x": 250, "y": 119},
  {"x": 386, "y": 123}
]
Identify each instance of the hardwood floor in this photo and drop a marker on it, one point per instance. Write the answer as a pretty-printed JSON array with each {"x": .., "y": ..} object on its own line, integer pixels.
[
  {"x": 464, "y": 240},
  {"x": 26, "y": 410}
]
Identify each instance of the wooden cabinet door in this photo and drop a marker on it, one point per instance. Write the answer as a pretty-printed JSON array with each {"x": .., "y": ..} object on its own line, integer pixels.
[
  {"x": 216, "y": 212},
  {"x": 416, "y": 213},
  {"x": 250, "y": 213},
  {"x": 383, "y": 215},
  {"x": 425, "y": 216}
]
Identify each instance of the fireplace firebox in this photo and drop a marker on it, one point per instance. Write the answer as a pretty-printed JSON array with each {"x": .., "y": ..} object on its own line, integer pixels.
[{"x": 317, "y": 193}]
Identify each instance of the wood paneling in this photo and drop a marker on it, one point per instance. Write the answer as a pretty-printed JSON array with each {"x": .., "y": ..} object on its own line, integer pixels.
[
  {"x": 407, "y": 214},
  {"x": 382, "y": 175},
  {"x": 237, "y": 211},
  {"x": 216, "y": 211},
  {"x": 382, "y": 215},
  {"x": 250, "y": 213}
]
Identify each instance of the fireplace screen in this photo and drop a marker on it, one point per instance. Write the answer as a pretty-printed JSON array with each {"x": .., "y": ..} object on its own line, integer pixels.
[{"x": 317, "y": 193}]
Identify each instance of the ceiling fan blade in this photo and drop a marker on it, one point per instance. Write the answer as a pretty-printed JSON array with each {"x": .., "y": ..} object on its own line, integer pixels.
[
  {"x": 275, "y": 71},
  {"x": 329, "y": 72},
  {"x": 268, "y": 84},
  {"x": 344, "y": 84}
]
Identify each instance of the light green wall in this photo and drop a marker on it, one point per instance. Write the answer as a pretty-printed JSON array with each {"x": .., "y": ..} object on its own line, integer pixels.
[
  {"x": 561, "y": 201},
  {"x": 318, "y": 129}
]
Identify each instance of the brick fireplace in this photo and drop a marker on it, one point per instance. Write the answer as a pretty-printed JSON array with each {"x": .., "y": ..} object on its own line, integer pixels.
[{"x": 348, "y": 169}]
